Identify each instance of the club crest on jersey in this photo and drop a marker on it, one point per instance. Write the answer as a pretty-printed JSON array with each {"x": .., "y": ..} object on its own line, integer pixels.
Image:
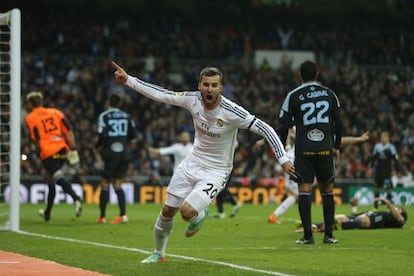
[
  {"x": 315, "y": 135},
  {"x": 180, "y": 94},
  {"x": 220, "y": 122}
]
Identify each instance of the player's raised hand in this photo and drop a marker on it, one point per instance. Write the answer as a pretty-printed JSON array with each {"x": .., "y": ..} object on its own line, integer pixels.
[
  {"x": 365, "y": 136},
  {"x": 119, "y": 74}
]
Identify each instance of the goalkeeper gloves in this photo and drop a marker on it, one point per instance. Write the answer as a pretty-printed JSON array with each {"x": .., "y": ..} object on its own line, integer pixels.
[{"x": 73, "y": 157}]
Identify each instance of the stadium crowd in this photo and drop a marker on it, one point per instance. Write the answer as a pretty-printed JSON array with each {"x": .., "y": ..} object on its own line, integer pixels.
[{"x": 368, "y": 63}]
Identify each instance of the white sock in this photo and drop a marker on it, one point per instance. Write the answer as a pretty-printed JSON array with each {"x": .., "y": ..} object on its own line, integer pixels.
[
  {"x": 162, "y": 230},
  {"x": 285, "y": 205},
  {"x": 196, "y": 219}
]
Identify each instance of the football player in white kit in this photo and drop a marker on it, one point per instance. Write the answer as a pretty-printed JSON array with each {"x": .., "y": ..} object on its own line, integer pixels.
[
  {"x": 205, "y": 171},
  {"x": 292, "y": 188},
  {"x": 179, "y": 150}
]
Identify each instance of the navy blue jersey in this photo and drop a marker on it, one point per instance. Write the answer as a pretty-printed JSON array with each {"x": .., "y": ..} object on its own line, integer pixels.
[
  {"x": 383, "y": 219},
  {"x": 115, "y": 129},
  {"x": 383, "y": 156},
  {"x": 314, "y": 110}
]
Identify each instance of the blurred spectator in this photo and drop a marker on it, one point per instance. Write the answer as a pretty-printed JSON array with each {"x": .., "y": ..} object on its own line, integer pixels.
[{"x": 71, "y": 67}]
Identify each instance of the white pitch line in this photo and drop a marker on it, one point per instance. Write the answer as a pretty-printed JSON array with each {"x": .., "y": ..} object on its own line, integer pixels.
[
  {"x": 327, "y": 247},
  {"x": 240, "y": 267},
  {"x": 9, "y": 262}
]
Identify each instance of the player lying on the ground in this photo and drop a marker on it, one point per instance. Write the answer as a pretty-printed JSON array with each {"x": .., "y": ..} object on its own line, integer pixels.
[
  {"x": 292, "y": 188},
  {"x": 394, "y": 217}
]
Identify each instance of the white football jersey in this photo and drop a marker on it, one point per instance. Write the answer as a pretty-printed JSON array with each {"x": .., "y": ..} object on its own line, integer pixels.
[
  {"x": 291, "y": 185},
  {"x": 178, "y": 150},
  {"x": 215, "y": 130}
]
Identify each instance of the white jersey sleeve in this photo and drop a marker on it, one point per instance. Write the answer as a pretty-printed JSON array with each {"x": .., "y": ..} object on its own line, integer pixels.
[
  {"x": 174, "y": 148},
  {"x": 158, "y": 93},
  {"x": 244, "y": 120},
  {"x": 178, "y": 150},
  {"x": 265, "y": 130}
]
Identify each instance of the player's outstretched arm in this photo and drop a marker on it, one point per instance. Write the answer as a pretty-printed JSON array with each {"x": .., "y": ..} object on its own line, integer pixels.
[
  {"x": 154, "y": 151},
  {"x": 395, "y": 213},
  {"x": 119, "y": 74},
  {"x": 349, "y": 140},
  {"x": 149, "y": 90}
]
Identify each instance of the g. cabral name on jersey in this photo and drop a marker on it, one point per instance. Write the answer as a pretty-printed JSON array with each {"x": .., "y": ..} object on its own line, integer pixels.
[{"x": 314, "y": 94}]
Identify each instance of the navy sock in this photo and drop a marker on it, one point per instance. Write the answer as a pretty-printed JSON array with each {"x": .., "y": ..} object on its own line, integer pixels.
[
  {"x": 328, "y": 212},
  {"x": 219, "y": 202},
  {"x": 376, "y": 194},
  {"x": 121, "y": 201},
  {"x": 103, "y": 200},
  {"x": 304, "y": 203},
  {"x": 229, "y": 197},
  {"x": 67, "y": 188},
  {"x": 389, "y": 197},
  {"x": 50, "y": 198}
]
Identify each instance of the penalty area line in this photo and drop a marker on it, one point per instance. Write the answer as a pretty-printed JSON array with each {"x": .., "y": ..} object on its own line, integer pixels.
[{"x": 235, "y": 266}]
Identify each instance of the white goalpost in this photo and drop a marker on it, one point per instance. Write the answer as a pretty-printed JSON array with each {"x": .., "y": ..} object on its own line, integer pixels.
[{"x": 10, "y": 109}]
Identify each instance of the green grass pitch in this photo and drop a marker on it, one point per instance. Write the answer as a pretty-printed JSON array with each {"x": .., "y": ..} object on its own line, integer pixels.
[{"x": 245, "y": 245}]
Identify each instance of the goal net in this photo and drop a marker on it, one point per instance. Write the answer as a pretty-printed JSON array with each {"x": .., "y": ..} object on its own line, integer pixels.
[{"x": 10, "y": 108}]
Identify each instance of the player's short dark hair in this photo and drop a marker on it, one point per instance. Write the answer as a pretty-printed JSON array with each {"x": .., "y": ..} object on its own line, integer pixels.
[
  {"x": 308, "y": 70},
  {"x": 211, "y": 71},
  {"x": 115, "y": 100},
  {"x": 35, "y": 98}
]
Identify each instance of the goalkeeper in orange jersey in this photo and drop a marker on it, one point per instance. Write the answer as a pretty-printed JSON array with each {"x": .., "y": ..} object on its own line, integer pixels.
[{"x": 51, "y": 132}]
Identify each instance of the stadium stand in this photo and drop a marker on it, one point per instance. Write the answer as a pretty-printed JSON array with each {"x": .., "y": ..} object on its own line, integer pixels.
[{"x": 368, "y": 62}]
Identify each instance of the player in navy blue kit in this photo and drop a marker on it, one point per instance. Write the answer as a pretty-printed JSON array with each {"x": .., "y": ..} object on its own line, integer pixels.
[
  {"x": 384, "y": 157},
  {"x": 115, "y": 130},
  {"x": 394, "y": 217},
  {"x": 314, "y": 110}
]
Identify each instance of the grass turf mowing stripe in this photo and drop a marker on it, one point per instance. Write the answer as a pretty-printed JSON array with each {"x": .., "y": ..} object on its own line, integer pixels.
[{"x": 235, "y": 266}]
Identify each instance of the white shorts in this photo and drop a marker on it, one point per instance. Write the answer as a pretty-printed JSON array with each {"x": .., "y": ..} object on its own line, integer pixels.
[
  {"x": 291, "y": 186},
  {"x": 195, "y": 184}
]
